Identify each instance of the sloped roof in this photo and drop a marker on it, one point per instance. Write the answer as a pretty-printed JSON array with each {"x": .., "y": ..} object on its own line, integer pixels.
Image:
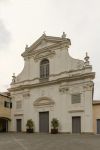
[
  {"x": 96, "y": 102},
  {"x": 5, "y": 94}
]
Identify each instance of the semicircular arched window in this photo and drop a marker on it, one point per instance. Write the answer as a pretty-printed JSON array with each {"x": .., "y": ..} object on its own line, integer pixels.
[{"x": 44, "y": 69}]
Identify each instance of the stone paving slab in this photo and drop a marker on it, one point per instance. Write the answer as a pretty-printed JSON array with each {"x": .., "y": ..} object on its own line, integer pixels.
[{"x": 24, "y": 141}]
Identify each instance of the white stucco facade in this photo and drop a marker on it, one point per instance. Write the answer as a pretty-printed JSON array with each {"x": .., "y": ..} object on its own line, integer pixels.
[{"x": 67, "y": 77}]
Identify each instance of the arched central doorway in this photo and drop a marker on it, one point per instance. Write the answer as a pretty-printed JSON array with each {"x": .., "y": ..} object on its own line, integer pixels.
[{"x": 4, "y": 124}]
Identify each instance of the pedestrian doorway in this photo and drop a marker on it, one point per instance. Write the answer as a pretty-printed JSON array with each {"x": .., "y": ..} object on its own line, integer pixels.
[
  {"x": 43, "y": 121},
  {"x": 76, "y": 124},
  {"x": 19, "y": 125},
  {"x": 3, "y": 124},
  {"x": 98, "y": 126}
]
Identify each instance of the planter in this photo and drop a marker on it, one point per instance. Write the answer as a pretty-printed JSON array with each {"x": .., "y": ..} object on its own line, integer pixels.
[
  {"x": 54, "y": 131},
  {"x": 29, "y": 130},
  {"x": 54, "y": 126},
  {"x": 30, "y": 126}
]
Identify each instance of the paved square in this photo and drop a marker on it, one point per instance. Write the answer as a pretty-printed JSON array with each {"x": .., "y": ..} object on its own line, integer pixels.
[{"x": 23, "y": 141}]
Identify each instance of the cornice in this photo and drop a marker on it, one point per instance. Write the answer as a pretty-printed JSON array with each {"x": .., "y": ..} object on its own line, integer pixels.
[
  {"x": 96, "y": 102},
  {"x": 58, "y": 45},
  {"x": 78, "y": 110},
  {"x": 56, "y": 75},
  {"x": 67, "y": 79},
  {"x": 18, "y": 114},
  {"x": 88, "y": 86},
  {"x": 42, "y": 54},
  {"x": 47, "y": 39}
]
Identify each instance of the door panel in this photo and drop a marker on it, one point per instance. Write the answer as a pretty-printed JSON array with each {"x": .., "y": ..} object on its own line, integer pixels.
[
  {"x": 76, "y": 124},
  {"x": 19, "y": 124},
  {"x": 44, "y": 121},
  {"x": 3, "y": 125},
  {"x": 98, "y": 126}
]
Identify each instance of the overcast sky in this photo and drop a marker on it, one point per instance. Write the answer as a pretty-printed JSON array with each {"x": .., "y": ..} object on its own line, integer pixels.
[{"x": 24, "y": 21}]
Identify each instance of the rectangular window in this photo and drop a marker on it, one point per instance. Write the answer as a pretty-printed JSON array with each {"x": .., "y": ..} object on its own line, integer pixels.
[
  {"x": 44, "y": 71},
  {"x": 10, "y": 104},
  {"x": 7, "y": 104},
  {"x": 18, "y": 104},
  {"x": 76, "y": 98}
]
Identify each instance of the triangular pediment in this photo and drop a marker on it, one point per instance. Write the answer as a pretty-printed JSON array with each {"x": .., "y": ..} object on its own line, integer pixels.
[
  {"x": 45, "y": 41},
  {"x": 42, "y": 43}
]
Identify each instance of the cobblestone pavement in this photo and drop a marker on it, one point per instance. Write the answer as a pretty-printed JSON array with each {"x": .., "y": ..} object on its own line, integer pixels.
[{"x": 23, "y": 141}]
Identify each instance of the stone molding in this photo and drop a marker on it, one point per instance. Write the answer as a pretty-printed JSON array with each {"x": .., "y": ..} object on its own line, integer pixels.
[
  {"x": 57, "y": 75},
  {"x": 67, "y": 79},
  {"x": 56, "y": 41},
  {"x": 25, "y": 95},
  {"x": 53, "y": 47},
  {"x": 78, "y": 110},
  {"x": 44, "y": 54},
  {"x": 63, "y": 89},
  {"x": 18, "y": 114},
  {"x": 88, "y": 86},
  {"x": 43, "y": 101}
]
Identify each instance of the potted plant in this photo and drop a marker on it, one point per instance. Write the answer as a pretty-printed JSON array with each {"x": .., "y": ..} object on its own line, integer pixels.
[
  {"x": 54, "y": 125},
  {"x": 30, "y": 126}
]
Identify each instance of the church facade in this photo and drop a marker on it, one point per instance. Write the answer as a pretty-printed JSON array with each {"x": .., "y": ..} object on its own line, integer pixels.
[{"x": 51, "y": 85}]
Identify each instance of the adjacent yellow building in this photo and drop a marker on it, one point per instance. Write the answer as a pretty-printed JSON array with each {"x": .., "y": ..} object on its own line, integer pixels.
[
  {"x": 96, "y": 117},
  {"x": 5, "y": 112}
]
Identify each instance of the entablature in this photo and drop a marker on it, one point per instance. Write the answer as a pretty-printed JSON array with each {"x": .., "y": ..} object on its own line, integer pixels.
[{"x": 30, "y": 83}]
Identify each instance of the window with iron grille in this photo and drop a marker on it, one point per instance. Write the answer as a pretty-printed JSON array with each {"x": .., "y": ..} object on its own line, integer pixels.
[
  {"x": 75, "y": 98},
  {"x": 44, "y": 69}
]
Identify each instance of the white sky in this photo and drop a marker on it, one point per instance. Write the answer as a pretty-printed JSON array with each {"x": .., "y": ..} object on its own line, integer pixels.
[{"x": 23, "y": 21}]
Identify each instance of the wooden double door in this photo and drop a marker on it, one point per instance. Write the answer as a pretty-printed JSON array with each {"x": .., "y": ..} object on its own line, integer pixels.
[
  {"x": 44, "y": 121},
  {"x": 19, "y": 125},
  {"x": 76, "y": 124}
]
